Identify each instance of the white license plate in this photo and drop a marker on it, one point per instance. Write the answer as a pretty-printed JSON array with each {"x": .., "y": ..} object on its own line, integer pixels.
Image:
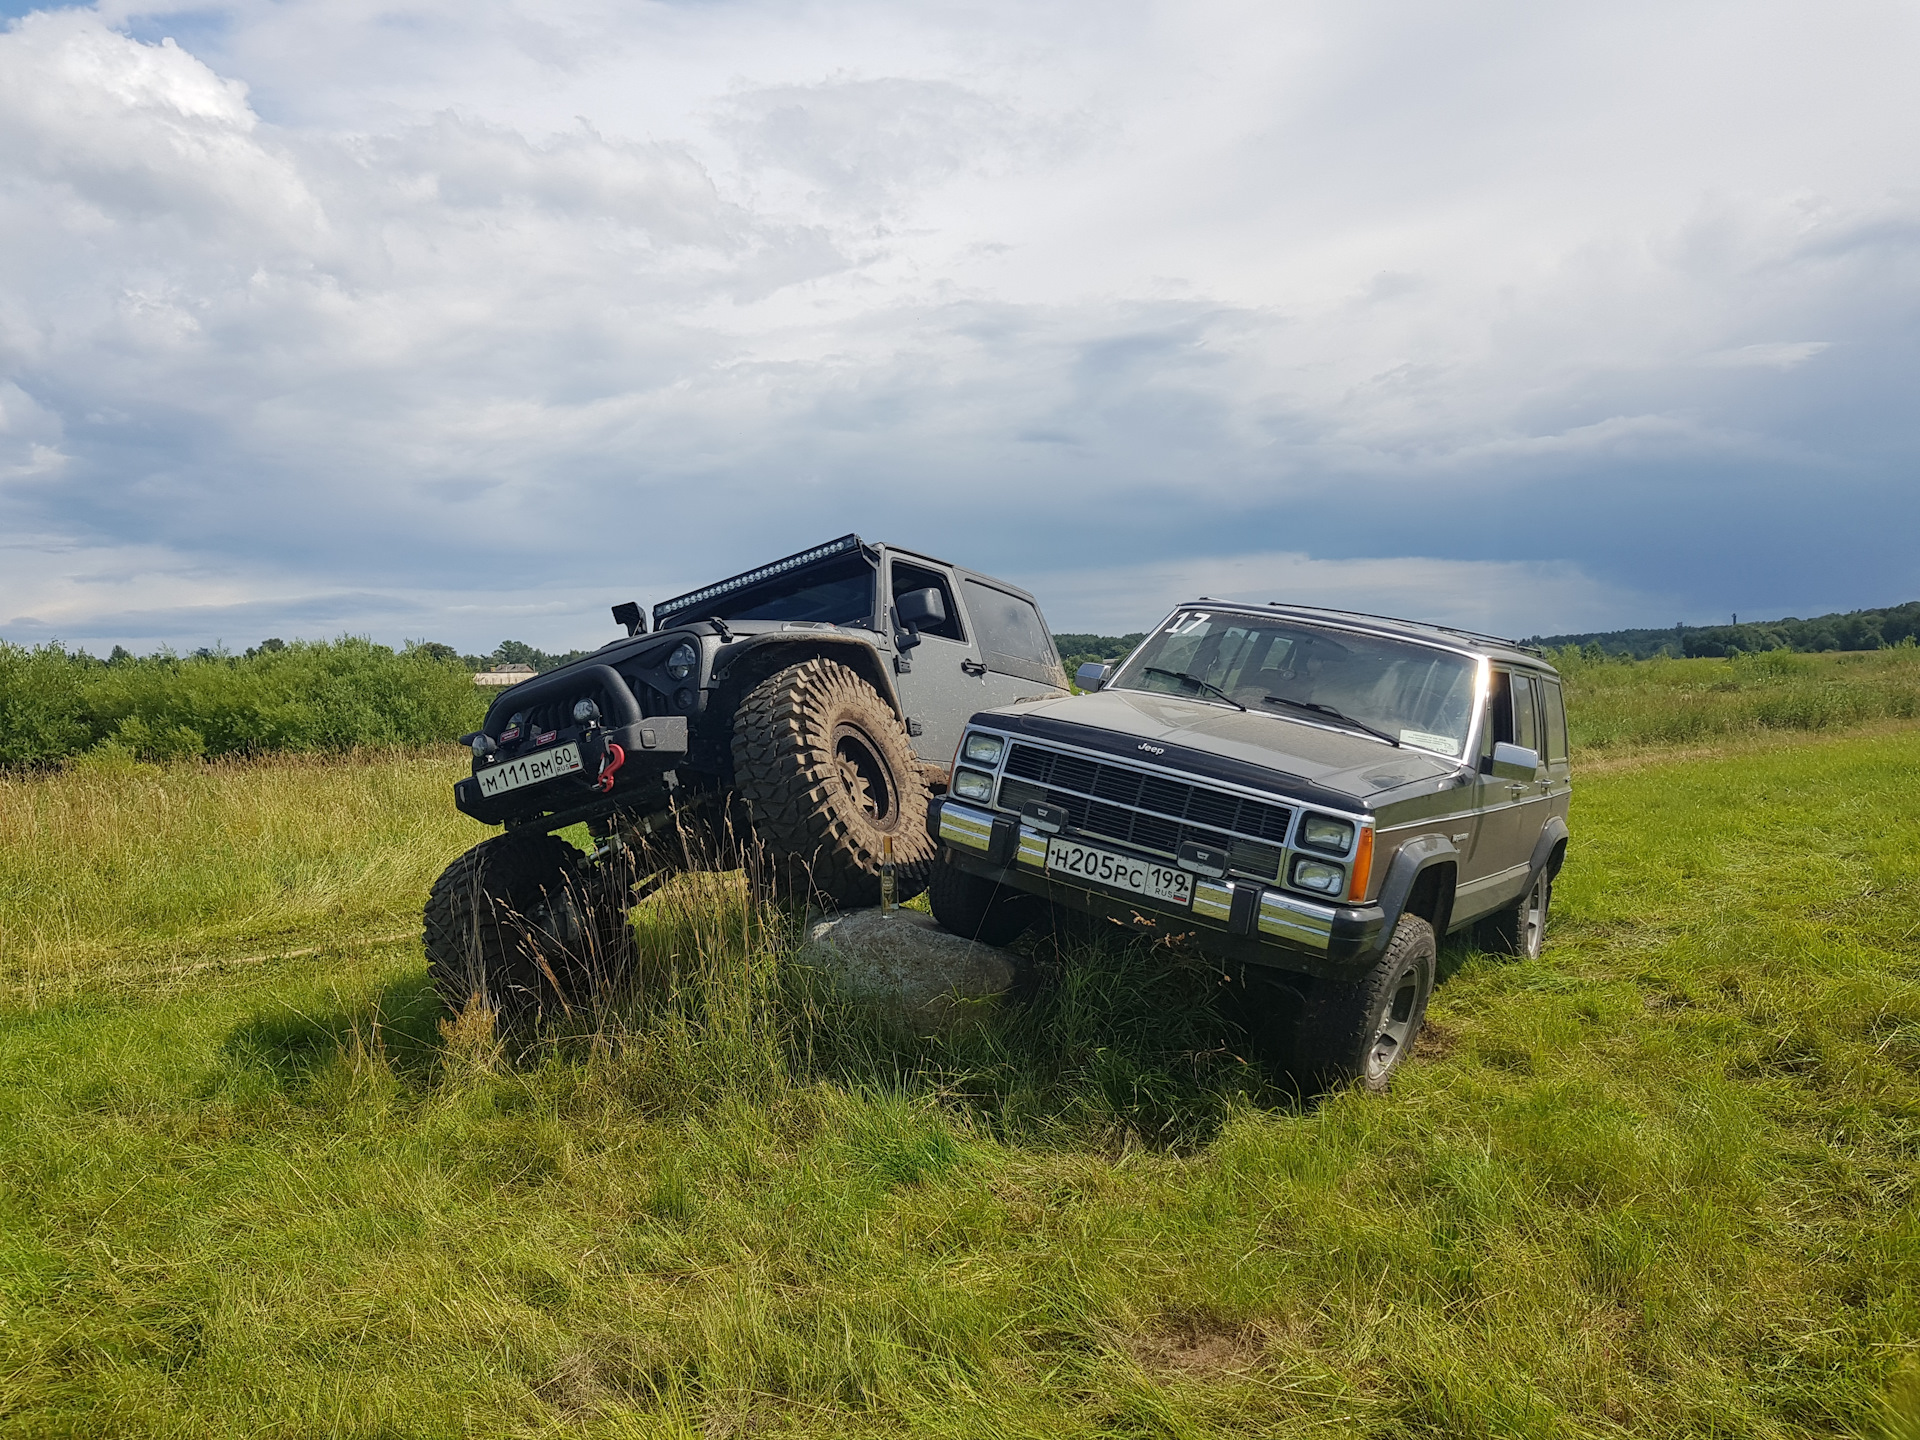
[
  {"x": 1143, "y": 877},
  {"x": 530, "y": 769}
]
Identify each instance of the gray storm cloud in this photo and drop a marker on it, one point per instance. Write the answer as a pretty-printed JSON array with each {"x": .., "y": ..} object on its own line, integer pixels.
[{"x": 1531, "y": 321}]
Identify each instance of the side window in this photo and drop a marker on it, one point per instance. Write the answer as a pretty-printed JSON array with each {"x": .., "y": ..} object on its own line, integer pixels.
[
  {"x": 1526, "y": 728},
  {"x": 1012, "y": 639},
  {"x": 1556, "y": 717},
  {"x": 908, "y": 578},
  {"x": 1499, "y": 713}
]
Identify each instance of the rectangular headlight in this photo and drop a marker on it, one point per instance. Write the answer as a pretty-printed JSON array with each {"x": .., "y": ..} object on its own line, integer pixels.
[
  {"x": 1318, "y": 875},
  {"x": 1323, "y": 832},
  {"x": 984, "y": 749},
  {"x": 972, "y": 785}
]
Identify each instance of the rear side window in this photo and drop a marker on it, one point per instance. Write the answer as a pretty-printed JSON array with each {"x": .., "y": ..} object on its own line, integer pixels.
[
  {"x": 1012, "y": 639},
  {"x": 1556, "y": 719},
  {"x": 1526, "y": 727},
  {"x": 908, "y": 578}
]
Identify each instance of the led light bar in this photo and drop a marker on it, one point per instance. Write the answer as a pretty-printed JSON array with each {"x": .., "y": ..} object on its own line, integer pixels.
[{"x": 697, "y": 598}]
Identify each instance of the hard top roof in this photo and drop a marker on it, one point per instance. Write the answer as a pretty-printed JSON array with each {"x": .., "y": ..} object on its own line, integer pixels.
[{"x": 1492, "y": 646}]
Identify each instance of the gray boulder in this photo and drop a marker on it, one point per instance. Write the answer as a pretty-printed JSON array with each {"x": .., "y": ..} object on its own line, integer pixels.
[{"x": 903, "y": 965}]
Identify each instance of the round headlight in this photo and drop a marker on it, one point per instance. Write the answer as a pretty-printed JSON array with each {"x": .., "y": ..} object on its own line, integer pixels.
[
  {"x": 585, "y": 712},
  {"x": 482, "y": 746},
  {"x": 1323, "y": 832},
  {"x": 681, "y": 662},
  {"x": 984, "y": 749},
  {"x": 972, "y": 785},
  {"x": 1318, "y": 875}
]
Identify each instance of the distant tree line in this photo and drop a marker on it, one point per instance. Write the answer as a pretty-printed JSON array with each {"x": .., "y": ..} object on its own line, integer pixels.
[
  {"x": 1853, "y": 630},
  {"x": 339, "y": 694},
  {"x": 1076, "y": 649}
]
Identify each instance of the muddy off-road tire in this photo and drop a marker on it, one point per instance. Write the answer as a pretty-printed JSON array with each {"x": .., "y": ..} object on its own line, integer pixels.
[
  {"x": 827, "y": 774},
  {"x": 518, "y": 925},
  {"x": 980, "y": 909},
  {"x": 1520, "y": 929},
  {"x": 1361, "y": 1033}
]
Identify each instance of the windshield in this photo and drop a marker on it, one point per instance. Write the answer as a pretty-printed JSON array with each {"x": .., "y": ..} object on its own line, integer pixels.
[
  {"x": 838, "y": 591},
  {"x": 1403, "y": 691}
]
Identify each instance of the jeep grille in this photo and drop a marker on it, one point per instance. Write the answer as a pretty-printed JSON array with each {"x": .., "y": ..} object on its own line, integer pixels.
[
  {"x": 549, "y": 714},
  {"x": 1147, "y": 810}
]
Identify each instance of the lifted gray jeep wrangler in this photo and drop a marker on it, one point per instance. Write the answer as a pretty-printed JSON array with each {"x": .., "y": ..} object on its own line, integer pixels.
[
  {"x": 814, "y": 700},
  {"x": 1315, "y": 795}
]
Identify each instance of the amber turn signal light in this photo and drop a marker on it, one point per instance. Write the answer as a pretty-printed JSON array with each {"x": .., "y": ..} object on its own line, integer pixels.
[{"x": 1362, "y": 866}]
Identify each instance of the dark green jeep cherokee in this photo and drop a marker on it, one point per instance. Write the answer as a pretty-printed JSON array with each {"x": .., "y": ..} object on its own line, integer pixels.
[{"x": 1315, "y": 795}]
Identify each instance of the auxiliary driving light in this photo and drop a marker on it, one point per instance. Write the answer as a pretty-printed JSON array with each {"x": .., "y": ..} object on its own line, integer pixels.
[
  {"x": 585, "y": 712},
  {"x": 1318, "y": 875},
  {"x": 984, "y": 749},
  {"x": 681, "y": 662},
  {"x": 972, "y": 785},
  {"x": 1323, "y": 832},
  {"x": 482, "y": 746}
]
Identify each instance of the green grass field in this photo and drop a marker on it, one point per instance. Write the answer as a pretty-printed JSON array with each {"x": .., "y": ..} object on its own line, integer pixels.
[
  {"x": 1661, "y": 1182},
  {"x": 1616, "y": 707}
]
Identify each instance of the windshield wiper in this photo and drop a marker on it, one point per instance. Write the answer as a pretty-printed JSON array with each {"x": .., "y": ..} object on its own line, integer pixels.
[
  {"x": 1193, "y": 680},
  {"x": 1332, "y": 714}
]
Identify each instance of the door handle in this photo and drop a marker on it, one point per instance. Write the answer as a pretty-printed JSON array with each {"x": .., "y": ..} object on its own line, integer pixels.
[
  {"x": 1516, "y": 788},
  {"x": 974, "y": 667}
]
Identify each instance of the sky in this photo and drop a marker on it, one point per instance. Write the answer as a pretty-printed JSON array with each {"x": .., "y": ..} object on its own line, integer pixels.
[{"x": 463, "y": 321}]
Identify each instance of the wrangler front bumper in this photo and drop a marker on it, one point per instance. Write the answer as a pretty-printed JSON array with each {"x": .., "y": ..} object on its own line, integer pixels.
[{"x": 1235, "y": 918}]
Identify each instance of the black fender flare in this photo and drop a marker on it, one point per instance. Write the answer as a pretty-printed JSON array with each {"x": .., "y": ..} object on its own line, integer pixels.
[
  {"x": 1411, "y": 860},
  {"x": 765, "y": 655},
  {"x": 1552, "y": 835}
]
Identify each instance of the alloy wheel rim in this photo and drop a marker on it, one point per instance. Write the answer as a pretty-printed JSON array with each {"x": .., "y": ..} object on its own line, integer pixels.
[
  {"x": 1536, "y": 916},
  {"x": 1395, "y": 1026}
]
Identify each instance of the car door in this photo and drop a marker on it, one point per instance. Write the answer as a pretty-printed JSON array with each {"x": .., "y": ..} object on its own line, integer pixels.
[
  {"x": 1517, "y": 809},
  {"x": 1493, "y": 871},
  {"x": 1017, "y": 657},
  {"x": 939, "y": 686},
  {"x": 1554, "y": 748}
]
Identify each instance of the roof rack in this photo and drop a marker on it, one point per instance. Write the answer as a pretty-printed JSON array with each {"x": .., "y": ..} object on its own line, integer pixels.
[{"x": 1422, "y": 624}]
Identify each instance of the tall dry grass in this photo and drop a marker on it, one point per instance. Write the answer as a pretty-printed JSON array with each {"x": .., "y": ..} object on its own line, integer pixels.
[{"x": 112, "y": 864}]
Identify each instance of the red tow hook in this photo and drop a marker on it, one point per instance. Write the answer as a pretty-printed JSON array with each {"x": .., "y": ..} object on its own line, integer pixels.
[{"x": 618, "y": 758}]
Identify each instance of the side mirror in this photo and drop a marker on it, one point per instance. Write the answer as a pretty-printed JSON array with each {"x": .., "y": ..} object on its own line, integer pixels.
[
  {"x": 629, "y": 614},
  {"x": 917, "y": 608},
  {"x": 1514, "y": 762},
  {"x": 1091, "y": 676},
  {"x": 921, "y": 607}
]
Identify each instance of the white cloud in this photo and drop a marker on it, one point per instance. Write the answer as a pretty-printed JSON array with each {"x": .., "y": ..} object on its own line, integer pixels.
[
  {"x": 1515, "y": 598},
  {"x": 510, "y": 302},
  {"x": 29, "y": 436},
  {"x": 1772, "y": 355}
]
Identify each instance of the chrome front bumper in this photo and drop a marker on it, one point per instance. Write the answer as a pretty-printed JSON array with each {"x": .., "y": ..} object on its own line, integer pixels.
[{"x": 1000, "y": 845}]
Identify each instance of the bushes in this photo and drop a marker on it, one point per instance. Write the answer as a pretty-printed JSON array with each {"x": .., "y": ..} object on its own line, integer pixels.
[{"x": 323, "y": 695}]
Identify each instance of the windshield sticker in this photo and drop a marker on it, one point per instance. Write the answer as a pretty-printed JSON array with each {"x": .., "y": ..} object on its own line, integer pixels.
[
  {"x": 1445, "y": 744},
  {"x": 1186, "y": 624}
]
